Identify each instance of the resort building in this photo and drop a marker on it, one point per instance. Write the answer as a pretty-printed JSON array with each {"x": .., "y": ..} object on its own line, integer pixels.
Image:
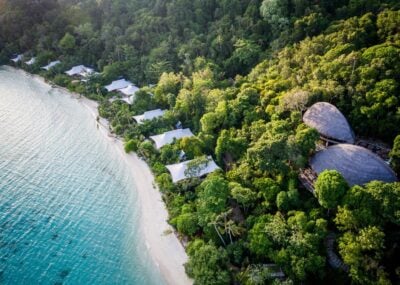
[
  {"x": 18, "y": 58},
  {"x": 169, "y": 137},
  {"x": 51, "y": 65},
  {"x": 191, "y": 169},
  {"x": 117, "y": 85},
  {"x": 129, "y": 90},
  {"x": 356, "y": 164},
  {"x": 149, "y": 115},
  {"x": 31, "y": 61},
  {"x": 128, "y": 99},
  {"x": 358, "y": 160},
  {"x": 80, "y": 70},
  {"x": 128, "y": 93},
  {"x": 329, "y": 122}
]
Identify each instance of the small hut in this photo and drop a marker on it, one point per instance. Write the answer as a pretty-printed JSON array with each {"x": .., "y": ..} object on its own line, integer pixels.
[
  {"x": 117, "y": 85},
  {"x": 51, "y": 65},
  {"x": 357, "y": 165},
  {"x": 80, "y": 70},
  {"x": 149, "y": 115},
  {"x": 189, "y": 169},
  {"x": 128, "y": 99},
  {"x": 129, "y": 90},
  {"x": 329, "y": 122},
  {"x": 18, "y": 58},
  {"x": 169, "y": 137},
  {"x": 31, "y": 61}
]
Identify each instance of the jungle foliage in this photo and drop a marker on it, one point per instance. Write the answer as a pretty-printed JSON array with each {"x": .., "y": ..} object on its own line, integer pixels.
[{"x": 240, "y": 73}]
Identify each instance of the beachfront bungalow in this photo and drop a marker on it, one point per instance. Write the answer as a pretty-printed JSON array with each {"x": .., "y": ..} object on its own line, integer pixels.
[
  {"x": 31, "y": 61},
  {"x": 117, "y": 85},
  {"x": 129, "y": 90},
  {"x": 329, "y": 122},
  {"x": 149, "y": 115},
  {"x": 357, "y": 165},
  {"x": 51, "y": 65},
  {"x": 169, "y": 137},
  {"x": 128, "y": 99},
  {"x": 190, "y": 169},
  {"x": 128, "y": 93},
  {"x": 18, "y": 58},
  {"x": 80, "y": 70}
]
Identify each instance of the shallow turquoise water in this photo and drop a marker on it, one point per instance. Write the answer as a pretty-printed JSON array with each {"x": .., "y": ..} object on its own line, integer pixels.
[{"x": 68, "y": 211}]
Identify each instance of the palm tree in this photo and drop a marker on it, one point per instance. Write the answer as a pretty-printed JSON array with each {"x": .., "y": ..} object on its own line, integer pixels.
[
  {"x": 233, "y": 229},
  {"x": 216, "y": 223},
  {"x": 229, "y": 226}
]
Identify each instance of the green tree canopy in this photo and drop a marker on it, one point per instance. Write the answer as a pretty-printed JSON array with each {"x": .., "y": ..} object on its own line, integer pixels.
[
  {"x": 67, "y": 43},
  {"x": 330, "y": 188},
  {"x": 207, "y": 264},
  {"x": 395, "y": 155}
]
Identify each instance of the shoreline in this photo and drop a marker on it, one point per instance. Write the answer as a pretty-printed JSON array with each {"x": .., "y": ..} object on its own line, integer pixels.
[{"x": 164, "y": 247}]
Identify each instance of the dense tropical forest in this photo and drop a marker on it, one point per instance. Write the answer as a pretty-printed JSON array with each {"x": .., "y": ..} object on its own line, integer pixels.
[{"x": 239, "y": 74}]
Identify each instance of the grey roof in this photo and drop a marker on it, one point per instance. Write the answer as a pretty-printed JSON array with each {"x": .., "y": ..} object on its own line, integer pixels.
[
  {"x": 329, "y": 122},
  {"x": 358, "y": 165}
]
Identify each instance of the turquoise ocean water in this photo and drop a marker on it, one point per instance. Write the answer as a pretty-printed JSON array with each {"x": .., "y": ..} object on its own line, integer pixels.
[{"x": 68, "y": 211}]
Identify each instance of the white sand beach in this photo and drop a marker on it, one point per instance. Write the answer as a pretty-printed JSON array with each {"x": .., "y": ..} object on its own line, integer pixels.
[{"x": 165, "y": 249}]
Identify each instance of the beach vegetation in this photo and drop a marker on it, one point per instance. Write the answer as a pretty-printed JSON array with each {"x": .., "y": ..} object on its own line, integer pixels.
[{"x": 131, "y": 145}]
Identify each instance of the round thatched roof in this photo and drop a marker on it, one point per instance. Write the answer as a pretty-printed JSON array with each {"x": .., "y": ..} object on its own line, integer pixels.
[
  {"x": 357, "y": 164},
  {"x": 329, "y": 122}
]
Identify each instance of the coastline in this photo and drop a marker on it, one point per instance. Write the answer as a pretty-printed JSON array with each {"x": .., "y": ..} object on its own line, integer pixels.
[{"x": 165, "y": 249}]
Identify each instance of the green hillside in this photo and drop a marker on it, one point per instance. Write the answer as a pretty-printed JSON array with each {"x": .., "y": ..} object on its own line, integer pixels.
[{"x": 240, "y": 74}]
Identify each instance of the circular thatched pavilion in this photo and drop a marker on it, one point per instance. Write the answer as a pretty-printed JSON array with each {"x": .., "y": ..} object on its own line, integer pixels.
[
  {"x": 356, "y": 164},
  {"x": 329, "y": 122}
]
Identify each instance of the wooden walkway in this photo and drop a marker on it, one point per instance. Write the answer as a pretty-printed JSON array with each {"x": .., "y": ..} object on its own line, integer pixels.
[
  {"x": 379, "y": 148},
  {"x": 333, "y": 259},
  {"x": 308, "y": 177}
]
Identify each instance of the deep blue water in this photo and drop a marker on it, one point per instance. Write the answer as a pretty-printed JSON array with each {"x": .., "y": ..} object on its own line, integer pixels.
[{"x": 68, "y": 211}]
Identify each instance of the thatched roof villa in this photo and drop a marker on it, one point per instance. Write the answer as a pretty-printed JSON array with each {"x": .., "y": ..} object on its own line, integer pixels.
[
  {"x": 118, "y": 84},
  {"x": 357, "y": 165},
  {"x": 329, "y": 122},
  {"x": 128, "y": 99},
  {"x": 80, "y": 70},
  {"x": 129, "y": 90},
  {"x": 149, "y": 115},
  {"x": 31, "y": 61},
  {"x": 185, "y": 170},
  {"x": 18, "y": 58},
  {"x": 169, "y": 137},
  {"x": 51, "y": 65}
]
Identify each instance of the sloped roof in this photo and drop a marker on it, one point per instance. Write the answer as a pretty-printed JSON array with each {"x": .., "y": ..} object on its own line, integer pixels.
[
  {"x": 51, "y": 65},
  {"x": 357, "y": 165},
  {"x": 168, "y": 137},
  {"x": 118, "y": 84},
  {"x": 181, "y": 171},
  {"x": 128, "y": 99},
  {"x": 31, "y": 61},
  {"x": 80, "y": 70},
  {"x": 329, "y": 122},
  {"x": 18, "y": 58},
  {"x": 129, "y": 90},
  {"x": 149, "y": 115}
]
